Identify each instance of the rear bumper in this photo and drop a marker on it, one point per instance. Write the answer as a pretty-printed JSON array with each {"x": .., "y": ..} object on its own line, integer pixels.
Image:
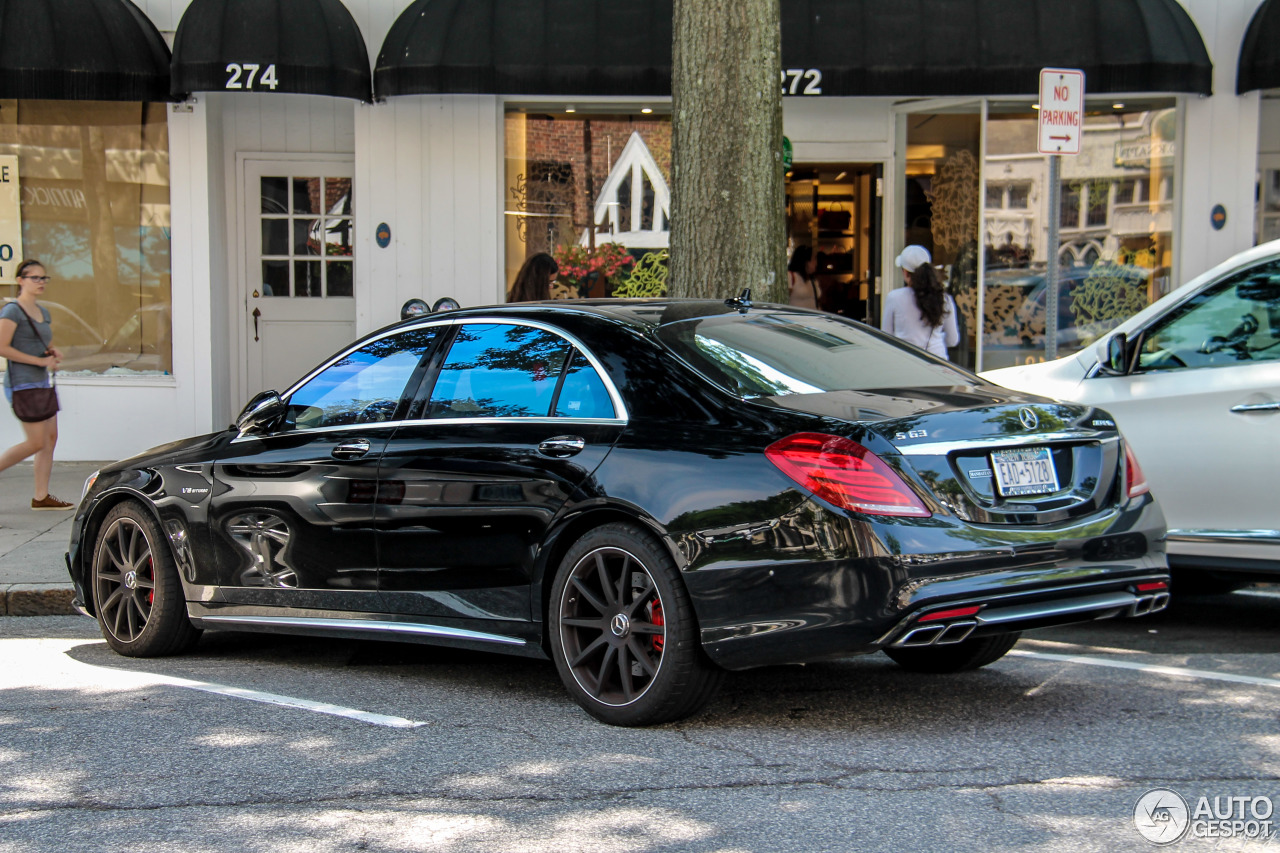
[
  {"x": 812, "y": 602},
  {"x": 1004, "y": 614}
]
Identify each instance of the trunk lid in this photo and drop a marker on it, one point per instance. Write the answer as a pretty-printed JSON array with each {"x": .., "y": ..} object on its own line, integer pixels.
[{"x": 988, "y": 456}]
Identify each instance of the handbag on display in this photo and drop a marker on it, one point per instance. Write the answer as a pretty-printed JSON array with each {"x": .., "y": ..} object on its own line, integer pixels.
[
  {"x": 833, "y": 219},
  {"x": 32, "y": 405}
]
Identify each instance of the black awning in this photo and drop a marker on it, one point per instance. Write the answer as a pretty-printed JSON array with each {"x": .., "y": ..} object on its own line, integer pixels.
[
  {"x": 993, "y": 47},
  {"x": 1259, "y": 53},
  {"x": 309, "y": 47},
  {"x": 898, "y": 48},
  {"x": 81, "y": 50},
  {"x": 517, "y": 47}
]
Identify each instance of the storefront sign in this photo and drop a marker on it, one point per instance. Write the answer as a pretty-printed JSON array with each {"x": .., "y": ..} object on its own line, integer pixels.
[
  {"x": 383, "y": 235},
  {"x": 1140, "y": 154},
  {"x": 244, "y": 75},
  {"x": 1061, "y": 110},
  {"x": 788, "y": 153},
  {"x": 801, "y": 81},
  {"x": 10, "y": 218},
  {"x": 1218, "y": 217}
]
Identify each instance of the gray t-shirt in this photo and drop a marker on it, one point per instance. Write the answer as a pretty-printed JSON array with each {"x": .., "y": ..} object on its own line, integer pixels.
[{"x": 25, "y": 340}]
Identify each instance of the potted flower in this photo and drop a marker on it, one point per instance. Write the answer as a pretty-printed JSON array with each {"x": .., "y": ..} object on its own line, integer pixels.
[{"x": 590, "y": 270}]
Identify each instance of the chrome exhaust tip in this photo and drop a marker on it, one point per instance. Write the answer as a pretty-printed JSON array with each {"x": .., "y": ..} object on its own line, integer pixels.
[{"x": 940, "y": 634}]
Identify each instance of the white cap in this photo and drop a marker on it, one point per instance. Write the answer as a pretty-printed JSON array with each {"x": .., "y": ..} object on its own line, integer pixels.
[{"x": 912, "y": 258}]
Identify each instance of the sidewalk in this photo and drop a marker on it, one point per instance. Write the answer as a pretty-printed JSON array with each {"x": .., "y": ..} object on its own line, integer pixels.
[{"x": 33, "y": 573}]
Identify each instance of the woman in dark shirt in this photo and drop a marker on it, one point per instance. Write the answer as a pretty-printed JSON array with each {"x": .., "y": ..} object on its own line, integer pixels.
[
  {"x": 26, "y": 342},
  {"x": 533, "y": 282}
]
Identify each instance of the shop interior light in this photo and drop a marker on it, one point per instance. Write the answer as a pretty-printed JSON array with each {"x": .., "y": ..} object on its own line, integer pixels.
[
  {"x": 646, "y": 110},
  {"x": 841, "y": 175},
  {"x": 571, "y": 109},
  {"x": 1035, "y": 106},
  {"x": 1117, "y": 106}
]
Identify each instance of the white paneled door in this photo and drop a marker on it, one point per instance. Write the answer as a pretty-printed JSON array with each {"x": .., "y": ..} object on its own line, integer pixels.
[{"x": 299, "y": 297}]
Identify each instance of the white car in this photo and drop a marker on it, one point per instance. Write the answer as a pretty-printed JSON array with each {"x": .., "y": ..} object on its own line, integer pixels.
[{"x": 1194, "y": 384}]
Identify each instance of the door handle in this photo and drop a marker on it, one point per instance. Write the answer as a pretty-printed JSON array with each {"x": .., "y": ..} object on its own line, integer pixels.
[
  {"x": 353, "y": 449},
  {"x": 1273, "y": 406},
  {"x": 562, "y": 446},
  {"x": 256, "y": 315}
]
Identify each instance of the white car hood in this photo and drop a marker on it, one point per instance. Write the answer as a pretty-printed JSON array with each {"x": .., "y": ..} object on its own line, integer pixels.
[
  {"x": 1058, "y": 379},
  {"x": 1062, "y": 378}
]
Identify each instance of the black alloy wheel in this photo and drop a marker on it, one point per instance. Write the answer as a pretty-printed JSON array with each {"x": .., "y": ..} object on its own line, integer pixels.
[
  {"x": 136, "y": 590},
  {"x": 954, "y": 657},
  {"x": 623, "y": 633}
]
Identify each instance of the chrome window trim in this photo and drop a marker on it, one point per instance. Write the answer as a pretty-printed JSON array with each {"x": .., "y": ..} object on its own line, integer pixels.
[
  {"x": 369, "y": 626},
  {"x": 548, "y": 421},
  {"x": 942, "y": 448},
  {"x": 621, "y": 415}
]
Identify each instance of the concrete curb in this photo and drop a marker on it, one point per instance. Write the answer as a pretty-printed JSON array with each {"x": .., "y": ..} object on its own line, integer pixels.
[{"x": 36, "y": 599}]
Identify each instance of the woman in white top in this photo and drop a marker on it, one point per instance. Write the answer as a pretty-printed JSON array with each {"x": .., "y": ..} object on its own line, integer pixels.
[
  {"x": 921, "y": 313},
  {"x": 802, "y": 289}
]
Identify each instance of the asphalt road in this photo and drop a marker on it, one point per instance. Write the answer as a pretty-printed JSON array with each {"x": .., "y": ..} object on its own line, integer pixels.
[{"x": 264, "y": 743}]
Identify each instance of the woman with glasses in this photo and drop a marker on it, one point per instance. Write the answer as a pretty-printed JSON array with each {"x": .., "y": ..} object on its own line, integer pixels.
[{"x": 26, "y": 341}]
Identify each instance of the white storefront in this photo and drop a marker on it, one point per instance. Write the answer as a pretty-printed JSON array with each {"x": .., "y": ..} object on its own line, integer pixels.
[{"x": 426, "y": 174}]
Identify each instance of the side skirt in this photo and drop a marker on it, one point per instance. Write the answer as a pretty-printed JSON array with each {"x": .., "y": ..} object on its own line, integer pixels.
[{"x": 365, "y": 626}]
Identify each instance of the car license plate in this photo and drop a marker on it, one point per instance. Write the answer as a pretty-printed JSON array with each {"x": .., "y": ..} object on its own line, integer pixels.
[{"x": 1026, "y": 471}]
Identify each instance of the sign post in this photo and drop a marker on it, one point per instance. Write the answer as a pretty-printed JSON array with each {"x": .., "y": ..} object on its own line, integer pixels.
[{"x": 1061, "y": 129}]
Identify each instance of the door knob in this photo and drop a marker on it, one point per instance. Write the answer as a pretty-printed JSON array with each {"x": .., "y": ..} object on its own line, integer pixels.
[
  {"x": 1257, "y": 407},
  {"x": 353, "y": 449},
  {"x": 562, "y": 446}
]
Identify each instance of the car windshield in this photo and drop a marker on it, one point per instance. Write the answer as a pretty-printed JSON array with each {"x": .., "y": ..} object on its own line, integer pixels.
[{"x": 770, "y": 355}]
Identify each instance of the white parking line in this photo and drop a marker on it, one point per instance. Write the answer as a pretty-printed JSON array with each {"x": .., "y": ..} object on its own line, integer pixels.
[
  {"x": 290, "y": 702},
  {"x": 1258, "y": 593},
  {"x": 47, "y": 664},
  {"x": 1154, "y": 669}
]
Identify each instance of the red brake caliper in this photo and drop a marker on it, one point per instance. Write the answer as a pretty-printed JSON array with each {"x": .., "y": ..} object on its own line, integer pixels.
[
  {"x": 151, "y": 569},
  {"x": 655, "y": 616}
]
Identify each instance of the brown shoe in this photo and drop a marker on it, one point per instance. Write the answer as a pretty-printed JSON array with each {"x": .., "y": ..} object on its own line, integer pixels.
[{"x": 50, "y": 502}]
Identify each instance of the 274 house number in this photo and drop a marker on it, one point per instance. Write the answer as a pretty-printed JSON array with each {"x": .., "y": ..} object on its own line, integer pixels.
[
  {"x": 249, "y": 71},
  {"x": 793, "y": 77}
]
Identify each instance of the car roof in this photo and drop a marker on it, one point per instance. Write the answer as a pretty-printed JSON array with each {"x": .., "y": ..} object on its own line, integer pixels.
[{"x": 640, "y": 313}]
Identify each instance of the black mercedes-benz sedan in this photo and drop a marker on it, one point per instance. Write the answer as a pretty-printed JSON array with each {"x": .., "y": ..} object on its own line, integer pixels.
[{"x": 646, "y": 492}]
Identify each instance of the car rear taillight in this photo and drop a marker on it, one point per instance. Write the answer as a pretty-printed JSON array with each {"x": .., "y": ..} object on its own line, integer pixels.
[
  {"x": 1134, "y": 480},
  {"x": 844, "y": 473}
]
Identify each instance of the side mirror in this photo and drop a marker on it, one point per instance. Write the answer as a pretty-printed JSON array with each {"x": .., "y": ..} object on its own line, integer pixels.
[
  {"x": 263, "y": 412},
  {"x": 1116, "y": 359}
]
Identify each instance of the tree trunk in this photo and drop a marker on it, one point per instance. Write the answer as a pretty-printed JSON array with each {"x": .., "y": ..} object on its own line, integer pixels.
[{"x": 728, "y": 226}]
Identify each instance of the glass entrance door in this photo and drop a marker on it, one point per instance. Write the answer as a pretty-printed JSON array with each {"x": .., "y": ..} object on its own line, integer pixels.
[
  {"x": 938, "y": 199},
  {"x": 833, "y": 215}
]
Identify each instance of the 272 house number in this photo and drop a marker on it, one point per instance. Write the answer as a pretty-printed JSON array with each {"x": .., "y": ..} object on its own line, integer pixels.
[
  {"x": 792, "y": 77},
  {"x": 249, "y": 71}
]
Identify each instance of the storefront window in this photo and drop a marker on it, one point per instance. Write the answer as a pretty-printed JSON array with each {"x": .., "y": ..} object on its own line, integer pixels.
[
  {"x": 943, "y": 195},
  {"x": 94, "y": 181},
  {"x": 1115, "y": 244},
  {"x": 592, "y": 189}
]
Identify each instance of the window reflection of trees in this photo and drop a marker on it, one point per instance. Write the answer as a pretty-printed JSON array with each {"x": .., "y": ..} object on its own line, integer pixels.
[
  {"x": 364, "y": 386},
  {"x": 499, "y": 371}
]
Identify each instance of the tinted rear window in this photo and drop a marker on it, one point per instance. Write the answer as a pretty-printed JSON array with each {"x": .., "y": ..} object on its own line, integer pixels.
[{"x": 768, "y": 355}]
